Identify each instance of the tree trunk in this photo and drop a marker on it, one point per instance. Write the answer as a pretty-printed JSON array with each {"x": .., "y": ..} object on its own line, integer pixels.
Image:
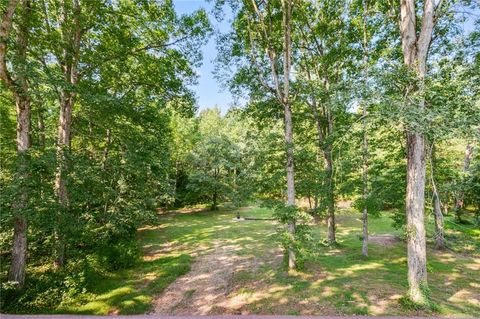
[
  {"x": 415, "y": 52},
  {"x": 330, "y": 198},
  {"x": 415, "y": 201},
  {"x": 287, "y": 26},
  {"x": 459, "y": 202},
  {"x": 365, "y": 136},
  {"x": 61, "y": 189},
  {"x": 437, "y": 205},
  {"x": 106, "y": 149},
  {"x": 365, "y": 186},
  {"x": 445, "y": 204},
  {"x": 70, "y": 36},
  {"x": 290, "y": 178},
  {"x": 439, "y": 231},
  {"x": 41, "y": 129},
  {"x": 19, "y": 89}
]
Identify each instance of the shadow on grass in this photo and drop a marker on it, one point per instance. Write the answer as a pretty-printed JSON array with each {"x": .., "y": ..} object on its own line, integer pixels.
[{"x": 129, "y": 291}]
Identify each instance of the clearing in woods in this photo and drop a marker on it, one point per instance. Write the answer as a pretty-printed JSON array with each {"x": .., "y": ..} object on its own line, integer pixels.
[{"x": 208, "y": 263}]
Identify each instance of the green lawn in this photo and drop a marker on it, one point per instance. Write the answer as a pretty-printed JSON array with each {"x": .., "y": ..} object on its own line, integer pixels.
[{"x": 335, "y": 281}]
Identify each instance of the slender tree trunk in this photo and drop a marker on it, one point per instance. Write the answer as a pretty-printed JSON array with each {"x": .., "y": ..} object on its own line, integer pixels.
[
  {"x": 439, "y": 230},
  {"x": 287, "y": 26},
  {"x": 282, "y": 93},
  {"x": 330, "y": 198},
  {"x": 19, "y": 89},
  {"x": 445, "y": 204},
  {"x": 459, "y": 202},
  {"x": 61, "y": 189},
  {"x": 437, "y": 205},
  {"x": 70, "y": 37},
  {"x": 290, "y": 178},
  {"x": 365, "y": 185},
  {"x": 41, "y": 129},
  {"x": 106, "y": 149},
  {"x": 365, "y": 136}
]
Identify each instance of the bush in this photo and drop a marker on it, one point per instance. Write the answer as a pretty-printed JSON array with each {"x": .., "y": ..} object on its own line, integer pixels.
[{"x": 120, "y": 255}]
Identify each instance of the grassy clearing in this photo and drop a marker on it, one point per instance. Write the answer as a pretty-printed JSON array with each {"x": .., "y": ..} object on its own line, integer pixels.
[{"x": 336, "y": 281}]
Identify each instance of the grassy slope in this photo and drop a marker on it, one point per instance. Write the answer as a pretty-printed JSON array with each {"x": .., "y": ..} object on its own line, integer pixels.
[{"x": 338, "y": 281}]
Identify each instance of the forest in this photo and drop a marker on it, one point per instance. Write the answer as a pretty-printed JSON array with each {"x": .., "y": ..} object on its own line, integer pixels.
[{"x": 345, "y": 180}]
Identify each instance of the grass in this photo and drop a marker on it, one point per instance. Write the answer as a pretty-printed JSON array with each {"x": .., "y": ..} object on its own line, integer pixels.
[
  {"x": 335, "y": 280},
  {"x": 130, "y": 291}
]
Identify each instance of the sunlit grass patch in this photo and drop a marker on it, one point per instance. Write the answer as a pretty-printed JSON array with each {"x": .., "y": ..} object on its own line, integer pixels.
[{"x": 128, "y": 291}]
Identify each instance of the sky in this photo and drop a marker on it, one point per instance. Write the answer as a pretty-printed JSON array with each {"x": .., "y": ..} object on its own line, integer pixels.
[{"x": 209, "y": 91}]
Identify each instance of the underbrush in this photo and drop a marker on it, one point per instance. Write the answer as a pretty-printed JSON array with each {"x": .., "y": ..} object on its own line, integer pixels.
[{"x": 108, "y": 281}]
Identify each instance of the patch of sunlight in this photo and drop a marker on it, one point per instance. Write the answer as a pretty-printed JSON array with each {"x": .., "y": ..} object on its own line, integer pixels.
[
  {"x": 329, "y": 291},
  {"x": 116, "y": 293},
  {"x": 446, "y": 258},
  {"x": 276, "y": 289},
  {"x": 332, "y": 252},
  {"x": 244, "y": 298},
  {"x": 451, "y": 278},
  {"x": 317, "y": 283},
  {"x": 475, "y": 265},
  {"x": 151, "y": 276},
  {"x": 399, "y": 260},
  {"x": 474, "y": 285},
  {"x": 94, "y": 307},
  {"x": 345, "y": 231},
  {"x": 465, "y": 295},
  {"x": 358, "y": 267},
  {"x": 381, "y": 306},
  {"x": 128, "y": 303},
  {"x": 156, "y": 227},
  {"x": 359, "y": 300},
  {"x": 331, "y": 277},
  {"x": 299, "y": 274}
]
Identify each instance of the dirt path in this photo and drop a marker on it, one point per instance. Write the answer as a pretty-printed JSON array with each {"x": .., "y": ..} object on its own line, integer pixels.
[{"x": 205, "y": 289}]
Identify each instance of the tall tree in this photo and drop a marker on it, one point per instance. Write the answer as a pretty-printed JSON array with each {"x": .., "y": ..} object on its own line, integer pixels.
[
  {"x": 18, "y": 85},
  {"x": 415, "y": 47}
]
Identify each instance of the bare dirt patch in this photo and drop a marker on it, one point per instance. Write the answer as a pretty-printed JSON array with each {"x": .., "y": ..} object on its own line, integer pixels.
[
  {"x": 206, "y": 289},
  {"x": 385, "y": 240}
]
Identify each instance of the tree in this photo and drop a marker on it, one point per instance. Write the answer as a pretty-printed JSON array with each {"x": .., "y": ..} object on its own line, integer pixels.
[
  {"x": 18, "y": 85},
  {"x": 266, "y": 41},
  {"x": 415, "y": 49}
]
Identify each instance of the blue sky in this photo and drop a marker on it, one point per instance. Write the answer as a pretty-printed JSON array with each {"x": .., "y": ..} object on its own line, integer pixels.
[{"x": 209, "y": 91}]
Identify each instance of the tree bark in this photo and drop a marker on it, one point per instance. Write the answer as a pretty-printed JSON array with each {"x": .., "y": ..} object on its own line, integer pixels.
[
  {"x": 68, "y": 64},
  {"x": 415, "y": 51},
  {"x": 20, "y": 91},
  {"x": 415, "y": 201},
  {"x": 282, "y": 93},
  {"x": 330, "y": 197},
  {"x": 459, "y": 202},
  {"x": 287, "y": 26},
  {"x": 437, "y": 205},
  {"x": 365, "y": 136},
  {"x": 41, "y": 129}
]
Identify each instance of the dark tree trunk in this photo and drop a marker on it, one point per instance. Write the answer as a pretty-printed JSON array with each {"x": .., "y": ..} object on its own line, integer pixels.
[
  {"x": 330, "y": 198},
  {"x": 19, "y": 89}
]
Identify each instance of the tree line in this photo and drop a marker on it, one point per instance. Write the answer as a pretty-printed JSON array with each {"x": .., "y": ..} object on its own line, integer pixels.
[
  {"x": 373, "y": 101},
  {"x": 389, "y": 84}
]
